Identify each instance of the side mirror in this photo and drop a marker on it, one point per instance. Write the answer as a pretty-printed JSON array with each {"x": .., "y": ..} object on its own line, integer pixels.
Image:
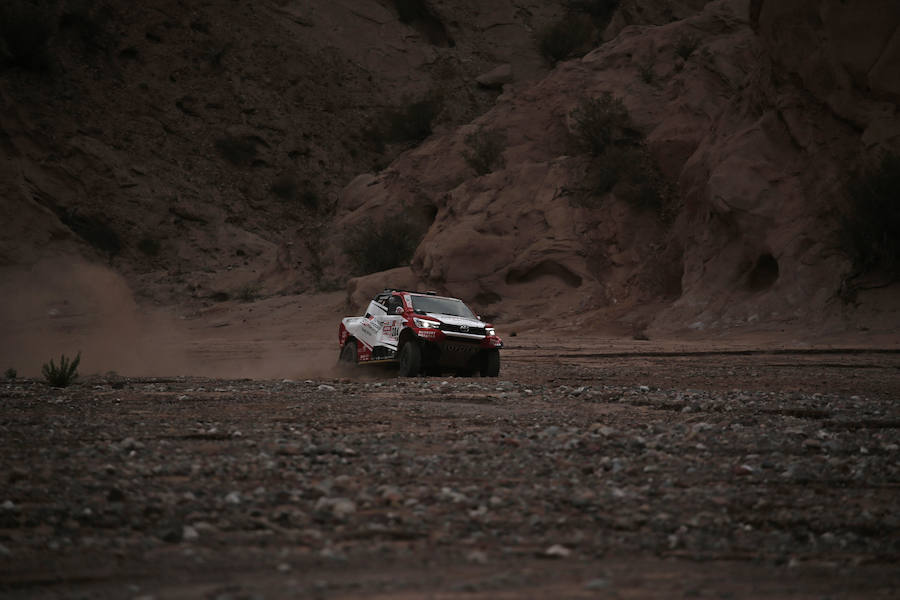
[{"x": 398, "y": 310}]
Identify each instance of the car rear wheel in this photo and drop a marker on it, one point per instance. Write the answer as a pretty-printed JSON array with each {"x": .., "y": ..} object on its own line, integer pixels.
[
  {"x": 410, "y": 359},
  {"x": 491, "y": 365},
  {"x": 348, "y": 357}
]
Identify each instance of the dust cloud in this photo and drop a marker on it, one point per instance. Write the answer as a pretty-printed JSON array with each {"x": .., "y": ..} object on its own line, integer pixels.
[{"x": 67, "y": 305}]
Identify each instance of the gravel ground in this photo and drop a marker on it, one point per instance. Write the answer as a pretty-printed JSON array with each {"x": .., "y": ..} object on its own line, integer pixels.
[{"x": 632, "y": 475}]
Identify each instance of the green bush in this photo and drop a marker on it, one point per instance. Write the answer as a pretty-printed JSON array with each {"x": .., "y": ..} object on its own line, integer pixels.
[
  {"x": 620, "y": 162},
  {"x": 248, "y": 292},
  {"x": 871, "y": 226},
  {"x": 25, "y": 32},
  {"x": 599, "y": 122},
  {"x": 378, "y": 246},
  {"x": 64, "y": 374},
  {"x": 565, "y": 38},
  {"x": 11, "y": 373},
  {"x": 484, "y": 150}
]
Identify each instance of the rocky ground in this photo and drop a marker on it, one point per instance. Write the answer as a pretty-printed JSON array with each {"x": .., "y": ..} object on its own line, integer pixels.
[{"x": 629, "y": 475}]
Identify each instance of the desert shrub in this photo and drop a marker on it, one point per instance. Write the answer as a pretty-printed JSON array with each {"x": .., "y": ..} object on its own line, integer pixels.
[
  {"x": 248, "y": 292},
  {"x": 378, "y": 246},
  {"x": 484, "y": 150},
  {"x": 562, "y": 39},
  {"x": 599, "y": 122},
  {"x": 686, "y": 45},
  {"x": 871, "y": 225},
  {"x": 239, "y": 151},
  {"x": 94, "y": 230},
  {"x": 620, "y": 162},
  {"x": 149, "y": 246},
  {"x": 62, "y": 375},
  {"x": 10, "y": 373},
  {"x": 25, "y": 32}
]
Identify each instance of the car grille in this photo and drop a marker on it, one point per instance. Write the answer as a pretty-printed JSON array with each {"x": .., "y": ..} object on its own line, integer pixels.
[{"x": 447, "y": 328}]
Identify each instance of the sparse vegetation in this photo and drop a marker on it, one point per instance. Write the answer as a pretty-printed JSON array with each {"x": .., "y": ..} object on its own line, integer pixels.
[
  {"x": 25, "y": 33},
  {"x": 686, "y": 45},
  {"x": 61, "y": 375},
  {"x": 10, "y": 373},
  {"x": 620, "y": 161},
  {"x": 239, "y": 151},
  {"x": 248, "y": 292},
  {"x": 565, "y": 38},
  {"x": 484, "y": 150},
  {"x": 871, "y": 226},
  {"x": 374, "y": 247},
  {"x": 600, "y": 122}
]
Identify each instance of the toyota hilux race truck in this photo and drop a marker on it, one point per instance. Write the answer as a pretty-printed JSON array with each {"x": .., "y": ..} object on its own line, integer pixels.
[{"x": 421, "y": 332}]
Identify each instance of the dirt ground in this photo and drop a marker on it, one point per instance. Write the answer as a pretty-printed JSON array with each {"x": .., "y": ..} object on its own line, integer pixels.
[{"x": 592, "y": 468}]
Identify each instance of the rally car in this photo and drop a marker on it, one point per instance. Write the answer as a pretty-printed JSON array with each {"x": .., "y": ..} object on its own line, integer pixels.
[{"x": 421, "y": 332}]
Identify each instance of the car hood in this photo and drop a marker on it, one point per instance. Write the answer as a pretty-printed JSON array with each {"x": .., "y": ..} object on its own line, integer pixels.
[{"x": 458, "y": 321}]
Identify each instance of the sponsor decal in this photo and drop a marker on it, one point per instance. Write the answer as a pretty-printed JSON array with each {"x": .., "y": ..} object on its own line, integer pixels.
[{"x": 427, "y": 333}]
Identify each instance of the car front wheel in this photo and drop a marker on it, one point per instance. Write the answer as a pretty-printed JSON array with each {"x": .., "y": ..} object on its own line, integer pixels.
[
  {"x": 491, "y": 365},
  {"x": 410, "y": 359}
]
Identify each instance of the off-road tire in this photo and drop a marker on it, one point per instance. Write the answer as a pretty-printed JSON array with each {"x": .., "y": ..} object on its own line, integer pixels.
[
  {"x": 490, "y": 367},
  {"x": 348, "y": 358},
  {"x": 410, "y": 359}
]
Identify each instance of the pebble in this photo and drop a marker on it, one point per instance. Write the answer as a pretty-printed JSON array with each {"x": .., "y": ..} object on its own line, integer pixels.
[{"x": 557, "y": 551}]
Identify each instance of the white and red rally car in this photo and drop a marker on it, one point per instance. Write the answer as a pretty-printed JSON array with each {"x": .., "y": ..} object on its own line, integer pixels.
[{"x": 423, "y": 333}]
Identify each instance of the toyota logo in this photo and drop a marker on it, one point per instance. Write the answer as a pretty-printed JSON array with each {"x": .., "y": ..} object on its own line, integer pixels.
[{"x": 463, "y": 327}]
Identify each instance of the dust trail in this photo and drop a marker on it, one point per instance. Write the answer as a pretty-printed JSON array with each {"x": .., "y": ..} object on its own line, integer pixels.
[{"x": 66, "y": 305}]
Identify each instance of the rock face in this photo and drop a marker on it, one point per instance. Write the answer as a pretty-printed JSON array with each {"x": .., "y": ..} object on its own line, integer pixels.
[
  {"x": 758, "y": 159},
  {"x": 226, "y": 151},
  {"x": 210, "y": 142}
]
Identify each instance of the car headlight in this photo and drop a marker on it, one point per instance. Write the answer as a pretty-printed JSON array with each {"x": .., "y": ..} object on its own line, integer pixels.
[
  {"x": 426, "y": 324},
  {"x": 490, "y": 331}
]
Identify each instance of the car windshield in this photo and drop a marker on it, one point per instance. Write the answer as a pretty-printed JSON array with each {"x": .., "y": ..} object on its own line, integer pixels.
[{"x": 441, "y": 306}]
